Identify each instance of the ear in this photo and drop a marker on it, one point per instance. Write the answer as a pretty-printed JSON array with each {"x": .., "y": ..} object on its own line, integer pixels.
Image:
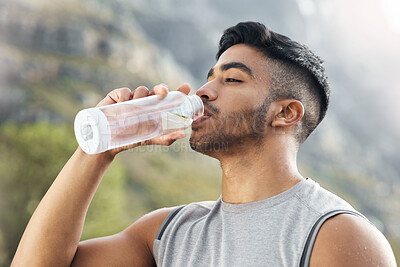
[{"x": 287, "y": 112}]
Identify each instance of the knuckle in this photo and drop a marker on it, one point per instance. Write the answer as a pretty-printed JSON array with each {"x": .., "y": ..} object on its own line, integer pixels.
[
  {"x": 123, "y": 89},
  {"x": 140, "y": 92},
  {"x": 141, "y": 88},
  {"x": 161, "y": 87}
]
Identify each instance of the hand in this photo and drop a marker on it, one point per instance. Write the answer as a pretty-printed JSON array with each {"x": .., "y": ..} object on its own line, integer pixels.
[{"x": 125, "y": 94}]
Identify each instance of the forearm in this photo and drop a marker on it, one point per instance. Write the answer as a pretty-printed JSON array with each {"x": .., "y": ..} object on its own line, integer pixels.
[{"x": 54, "y": 231}]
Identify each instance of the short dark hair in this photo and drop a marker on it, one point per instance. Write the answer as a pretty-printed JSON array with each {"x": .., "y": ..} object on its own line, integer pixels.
[{"x": 296, "y": 72}]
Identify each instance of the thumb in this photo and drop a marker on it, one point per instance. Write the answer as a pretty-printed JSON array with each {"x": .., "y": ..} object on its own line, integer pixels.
[{"x": 185, "y": 88}]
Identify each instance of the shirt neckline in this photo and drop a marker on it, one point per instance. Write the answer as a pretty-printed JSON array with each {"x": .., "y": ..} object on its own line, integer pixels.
[{"x": 264, "y": 203}]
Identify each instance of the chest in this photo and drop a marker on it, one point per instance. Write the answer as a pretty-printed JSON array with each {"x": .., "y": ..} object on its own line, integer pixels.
[{"x": 246, "y": 239}]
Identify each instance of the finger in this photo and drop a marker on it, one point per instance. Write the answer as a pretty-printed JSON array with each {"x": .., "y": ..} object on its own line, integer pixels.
[
  {"x": 139, "y": 92},
  {"x": 165, "y": 140},
  {"x": 160, "y": 90},
  {"x": 121, "y": 94},
  {"x": 185, "y": 88},
  {"x": 115, "y": 96},
  {"x": 106, "y": 101},
  {"x": 174, "y": 136}
]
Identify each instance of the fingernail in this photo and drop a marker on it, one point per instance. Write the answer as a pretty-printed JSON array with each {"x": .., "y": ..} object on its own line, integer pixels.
[{"x": 164, "y": 85}]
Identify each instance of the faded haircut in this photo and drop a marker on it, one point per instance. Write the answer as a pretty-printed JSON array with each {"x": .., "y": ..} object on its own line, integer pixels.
[{"x": 295, "y": 71}]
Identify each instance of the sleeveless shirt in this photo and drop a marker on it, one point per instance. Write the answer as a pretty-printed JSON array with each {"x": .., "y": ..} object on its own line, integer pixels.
[{"x": 269, "y": 232}]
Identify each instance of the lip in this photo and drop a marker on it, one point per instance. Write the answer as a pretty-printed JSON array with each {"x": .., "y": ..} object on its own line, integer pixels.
[
  {"x": 206, "y": 115},
  {"x": 201, "y": 119}
]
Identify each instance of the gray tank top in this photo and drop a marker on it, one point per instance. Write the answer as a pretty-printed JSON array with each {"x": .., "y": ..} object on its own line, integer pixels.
[{"x": 278, "y": 231}]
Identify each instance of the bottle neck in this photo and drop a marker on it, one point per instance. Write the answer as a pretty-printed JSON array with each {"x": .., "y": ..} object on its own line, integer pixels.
[{"x": 197, "y": 105}]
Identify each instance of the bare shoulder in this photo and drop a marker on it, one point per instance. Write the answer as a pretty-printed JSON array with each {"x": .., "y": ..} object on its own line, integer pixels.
[
  {"x": 348, "y": 240},
  {"x": 148, "y": 225},
  {"x": 131, "y": 247}
]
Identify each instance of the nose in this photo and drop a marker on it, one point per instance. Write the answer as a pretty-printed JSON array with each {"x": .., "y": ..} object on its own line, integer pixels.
[{"x": 207, "y": 92}]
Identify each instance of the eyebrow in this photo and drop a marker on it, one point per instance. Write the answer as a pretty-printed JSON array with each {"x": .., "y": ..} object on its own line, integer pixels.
[{"x": 232, "y": 65}]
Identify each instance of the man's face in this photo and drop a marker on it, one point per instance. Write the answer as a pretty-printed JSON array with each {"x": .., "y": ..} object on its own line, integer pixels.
[{"x": 236, "y": 103}]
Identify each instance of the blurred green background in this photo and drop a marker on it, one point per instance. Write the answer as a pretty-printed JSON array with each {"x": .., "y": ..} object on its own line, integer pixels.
[{"x": 58, "y": 57}]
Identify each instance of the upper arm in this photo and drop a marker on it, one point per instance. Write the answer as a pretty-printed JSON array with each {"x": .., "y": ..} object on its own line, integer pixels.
[
  {"x": 348, "y": 240},
  {"x": 131, "y": 247}
]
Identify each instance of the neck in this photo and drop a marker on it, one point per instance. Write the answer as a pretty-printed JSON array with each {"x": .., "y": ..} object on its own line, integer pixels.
[{"x": 259, "y": 172}]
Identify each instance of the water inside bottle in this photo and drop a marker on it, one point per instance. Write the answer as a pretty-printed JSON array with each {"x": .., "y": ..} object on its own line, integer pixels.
[
  {"x": 173, "y": 122},
  {"x": 140, "y": 128}
]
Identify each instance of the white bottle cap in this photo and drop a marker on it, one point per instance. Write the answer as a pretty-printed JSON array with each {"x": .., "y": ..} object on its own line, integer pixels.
[{"x": 92, "y": 131}]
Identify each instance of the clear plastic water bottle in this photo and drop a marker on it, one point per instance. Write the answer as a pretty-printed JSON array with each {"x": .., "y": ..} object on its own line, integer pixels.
[{"x": 102, "y": 128}]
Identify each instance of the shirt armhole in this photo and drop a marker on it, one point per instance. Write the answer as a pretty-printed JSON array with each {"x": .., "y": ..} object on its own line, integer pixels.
[
  {"x": 167, "y": 220},
  {"x": 305, "y": 257}
]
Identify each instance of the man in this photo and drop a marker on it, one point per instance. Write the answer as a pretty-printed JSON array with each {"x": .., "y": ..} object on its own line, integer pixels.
[{"x": 263, "y": 98}]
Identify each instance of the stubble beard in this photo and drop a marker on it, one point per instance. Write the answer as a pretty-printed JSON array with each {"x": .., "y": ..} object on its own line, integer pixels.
[{"x": 231, "y": 133}]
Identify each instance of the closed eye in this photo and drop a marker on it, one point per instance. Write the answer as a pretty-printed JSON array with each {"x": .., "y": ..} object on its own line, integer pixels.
[{"x": 231, "y": 80}]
